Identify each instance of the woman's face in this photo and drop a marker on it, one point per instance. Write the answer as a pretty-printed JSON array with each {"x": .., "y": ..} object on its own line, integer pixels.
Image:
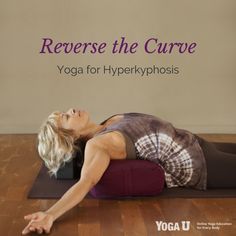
[{"x": 75, "y": 120}]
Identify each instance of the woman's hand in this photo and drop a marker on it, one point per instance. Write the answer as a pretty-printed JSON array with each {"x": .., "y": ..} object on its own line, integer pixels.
[{"x": 39, "y": 222}]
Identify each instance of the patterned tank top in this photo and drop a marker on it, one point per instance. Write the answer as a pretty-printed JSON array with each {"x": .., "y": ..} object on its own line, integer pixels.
[{"x": 177, "y": 151}]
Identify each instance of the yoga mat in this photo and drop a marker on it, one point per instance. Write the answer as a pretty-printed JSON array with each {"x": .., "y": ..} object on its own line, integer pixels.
[{"x": 45, "y": 187}]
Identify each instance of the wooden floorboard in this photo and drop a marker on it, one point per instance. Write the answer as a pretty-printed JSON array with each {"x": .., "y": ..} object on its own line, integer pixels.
[{"x": 19, "y": 165}]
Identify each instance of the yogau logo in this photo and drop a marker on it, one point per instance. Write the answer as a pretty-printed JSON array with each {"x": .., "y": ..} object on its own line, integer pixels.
[{"x": 173, "y": 226}]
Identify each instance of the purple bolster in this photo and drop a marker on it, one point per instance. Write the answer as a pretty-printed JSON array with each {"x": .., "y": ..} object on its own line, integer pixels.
[{"x": 125, "y": 178}]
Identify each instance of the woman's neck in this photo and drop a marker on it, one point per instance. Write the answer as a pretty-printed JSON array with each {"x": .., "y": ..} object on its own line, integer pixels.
[
  {"x": 91, "y": 130},
  {"x": 94, "y": 128}
]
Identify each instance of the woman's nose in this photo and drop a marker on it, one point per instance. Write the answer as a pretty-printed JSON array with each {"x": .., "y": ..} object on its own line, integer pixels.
[{"x": 71, "y": 111}]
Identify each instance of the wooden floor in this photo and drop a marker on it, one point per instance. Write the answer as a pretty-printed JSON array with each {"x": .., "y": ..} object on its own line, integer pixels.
[{"x": 19, "y": 165}]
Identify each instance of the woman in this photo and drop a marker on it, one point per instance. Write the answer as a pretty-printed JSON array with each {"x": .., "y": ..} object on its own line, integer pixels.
[{"x": 187, "y": 159}]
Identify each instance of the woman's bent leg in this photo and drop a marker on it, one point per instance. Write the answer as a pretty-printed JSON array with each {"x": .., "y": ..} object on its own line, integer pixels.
[{"x": 221, "y": 166}]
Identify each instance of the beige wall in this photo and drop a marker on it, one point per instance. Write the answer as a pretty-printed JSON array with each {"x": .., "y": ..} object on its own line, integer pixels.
[{"x": 201, "y": 98}]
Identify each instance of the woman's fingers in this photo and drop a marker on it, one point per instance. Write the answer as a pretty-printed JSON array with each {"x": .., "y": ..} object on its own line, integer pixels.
[
  {"x": 39, "y": 230},
  {"x": 39, "y": 222},
  {"x": 30, "y": 217},
  {"x": 25, "y": 231},
  {"x": 29, "y": 228}
]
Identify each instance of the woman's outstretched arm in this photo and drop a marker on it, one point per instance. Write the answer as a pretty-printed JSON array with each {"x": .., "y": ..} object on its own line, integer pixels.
[{"x": 95, "y": 163}]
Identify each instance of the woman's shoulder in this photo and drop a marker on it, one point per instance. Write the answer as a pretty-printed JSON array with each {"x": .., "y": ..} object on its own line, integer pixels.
[
  {"x": 107, "y": 139},
  {"x": 113, "y": 142},
  {"x": 113, "y": 117}
]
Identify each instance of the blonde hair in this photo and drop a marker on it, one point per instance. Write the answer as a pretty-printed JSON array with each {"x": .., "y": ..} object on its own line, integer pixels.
[{"x": 56, "y": 145}]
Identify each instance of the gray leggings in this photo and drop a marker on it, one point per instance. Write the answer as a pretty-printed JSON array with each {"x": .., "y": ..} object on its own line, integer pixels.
[{"x": 221, "y": 163}]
